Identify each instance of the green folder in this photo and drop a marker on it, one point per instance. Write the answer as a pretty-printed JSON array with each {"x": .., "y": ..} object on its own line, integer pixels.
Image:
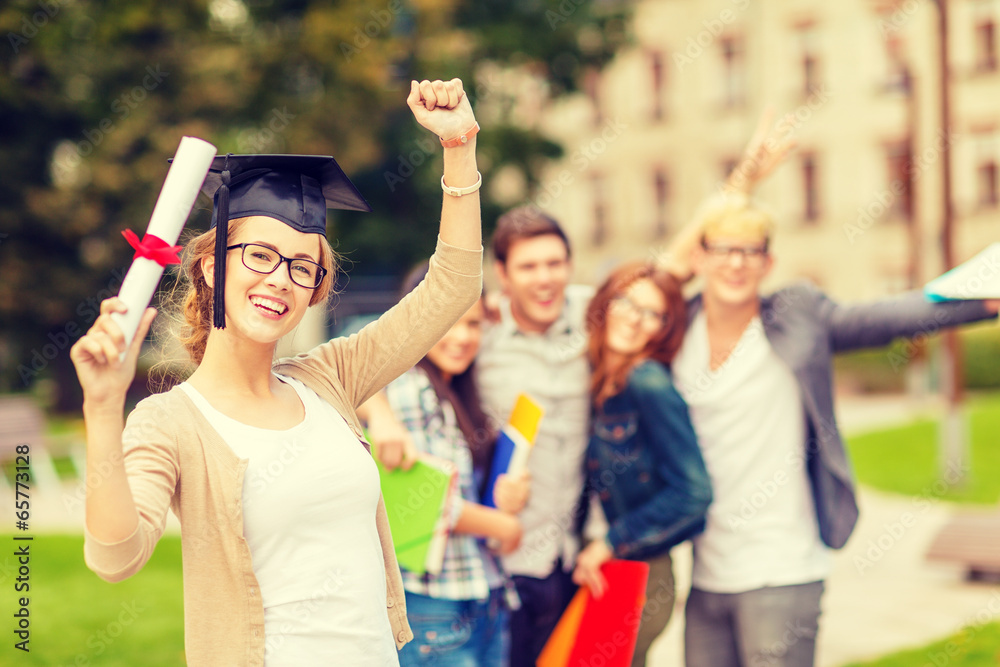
[{"x": 415, "y": 502}]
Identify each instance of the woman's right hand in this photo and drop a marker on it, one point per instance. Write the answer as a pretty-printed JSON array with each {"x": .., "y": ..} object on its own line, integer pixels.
[{"x": 96, "y": 356}]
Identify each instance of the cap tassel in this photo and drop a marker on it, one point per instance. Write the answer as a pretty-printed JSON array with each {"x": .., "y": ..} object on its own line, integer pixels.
[{"x": 221, "y": 241}]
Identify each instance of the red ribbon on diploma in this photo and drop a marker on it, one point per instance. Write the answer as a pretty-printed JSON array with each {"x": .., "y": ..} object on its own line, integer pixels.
[{"x": 152, "y": 247}]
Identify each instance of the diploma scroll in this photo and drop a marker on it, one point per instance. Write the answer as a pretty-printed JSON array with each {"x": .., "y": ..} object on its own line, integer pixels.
[{"x": 173, "y": 206}]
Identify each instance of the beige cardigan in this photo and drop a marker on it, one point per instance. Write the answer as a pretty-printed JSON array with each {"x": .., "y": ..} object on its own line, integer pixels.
[{"x": 175, "y": 459}]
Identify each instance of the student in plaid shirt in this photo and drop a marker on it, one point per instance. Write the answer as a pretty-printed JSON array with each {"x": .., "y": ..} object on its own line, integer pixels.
[{"x": 459, "y": 617}]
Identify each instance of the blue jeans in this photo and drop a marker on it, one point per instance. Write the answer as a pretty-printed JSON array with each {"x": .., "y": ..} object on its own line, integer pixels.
[{"x": 456, "y": 633}]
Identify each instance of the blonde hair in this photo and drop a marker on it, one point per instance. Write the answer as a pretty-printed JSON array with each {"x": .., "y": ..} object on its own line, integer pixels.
[
  {"x": 735, "y": 215},
  {"x": 187, "y": 307}
]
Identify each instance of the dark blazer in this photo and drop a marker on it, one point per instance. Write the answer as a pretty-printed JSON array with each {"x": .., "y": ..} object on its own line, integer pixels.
[{"x": 806, "y": 328}]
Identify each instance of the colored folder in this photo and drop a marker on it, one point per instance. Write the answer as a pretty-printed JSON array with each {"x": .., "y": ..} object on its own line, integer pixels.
[
  {"x": 514, "y": 443},
  {"x": 978, "y": 278},
  {"x": 415, "y": 501},
  {"x": 604, "y": 630}
]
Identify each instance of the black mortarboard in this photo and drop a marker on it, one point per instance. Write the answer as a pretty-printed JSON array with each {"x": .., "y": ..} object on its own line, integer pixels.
[{"x": 296, "y": 189}]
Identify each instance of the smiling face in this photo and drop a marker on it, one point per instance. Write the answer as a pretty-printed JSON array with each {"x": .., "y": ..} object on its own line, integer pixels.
[
  {"x": 733, "y": 267},
  {"x": 634, "y": 318},
  {"x": 457, "y": 349},
  {"x": 535, "y": 277},
  {"x": 264, "y": 307}
]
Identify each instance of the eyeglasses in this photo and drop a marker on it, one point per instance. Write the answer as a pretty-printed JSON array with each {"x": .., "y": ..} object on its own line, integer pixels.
[
  {"x": 261, "y": 259},
  {"x": 753, "y": 254},
  {"x": 648, "y": 318}
]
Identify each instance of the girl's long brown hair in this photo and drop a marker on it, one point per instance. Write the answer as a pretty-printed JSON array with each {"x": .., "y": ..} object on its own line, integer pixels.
[{"x": 606, "y": 381}]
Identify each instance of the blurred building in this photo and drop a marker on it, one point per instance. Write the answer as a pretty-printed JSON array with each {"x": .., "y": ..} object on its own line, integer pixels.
[{"x": 859, "y": 206}]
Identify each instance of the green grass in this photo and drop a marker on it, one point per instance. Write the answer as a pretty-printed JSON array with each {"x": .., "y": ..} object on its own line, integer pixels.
[
  {"x": 904, "y": 460},
  {"x": 973, "y": 646},
  {"x": 78, "y": 619}
]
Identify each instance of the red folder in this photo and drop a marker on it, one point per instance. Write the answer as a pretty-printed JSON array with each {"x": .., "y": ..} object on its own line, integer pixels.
[{"x": 605, "y": 627}]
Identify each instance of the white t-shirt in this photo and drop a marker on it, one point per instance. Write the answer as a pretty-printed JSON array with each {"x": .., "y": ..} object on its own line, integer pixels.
[
  {"x": 309, "y": 499},
  {"x": 748, "y": 415}
]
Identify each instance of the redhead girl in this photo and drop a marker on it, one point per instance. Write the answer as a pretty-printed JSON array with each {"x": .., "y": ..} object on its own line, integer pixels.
[
  {"x": 286, "y": 548},
  {"x": 643, "y": 461}
]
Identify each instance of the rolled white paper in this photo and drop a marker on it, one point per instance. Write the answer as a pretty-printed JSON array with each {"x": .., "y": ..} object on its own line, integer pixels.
[{"x": 184, "y": 179}]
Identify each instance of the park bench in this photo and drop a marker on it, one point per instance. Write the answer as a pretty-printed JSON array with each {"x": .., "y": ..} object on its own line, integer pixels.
[
  {"x": 22, "y": 422},
  {"x": 971, "y": 539}
]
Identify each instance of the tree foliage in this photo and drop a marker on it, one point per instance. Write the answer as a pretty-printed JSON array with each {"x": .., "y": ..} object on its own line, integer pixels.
[{"x": 95, "y": 95}]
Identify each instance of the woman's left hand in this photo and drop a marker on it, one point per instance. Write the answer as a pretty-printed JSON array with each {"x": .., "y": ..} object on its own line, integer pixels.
[
  {"x": 442, "y": 107},
  {"x": 588, "y": 567}
]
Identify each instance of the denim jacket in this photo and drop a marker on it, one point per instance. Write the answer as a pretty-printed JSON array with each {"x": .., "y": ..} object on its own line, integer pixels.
[{"x": 644, "y": 464}]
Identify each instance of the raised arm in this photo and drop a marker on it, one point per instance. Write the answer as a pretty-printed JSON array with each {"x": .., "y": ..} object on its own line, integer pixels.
[
  {"x": 443, "y": 108},
  {"x": 382, "y": 351},
  {"x": 131, "y": 471},
  {"x": 767, "y": 149},
  {"x": 880, "y": 322},
  {"x": 110, "y": 510}
]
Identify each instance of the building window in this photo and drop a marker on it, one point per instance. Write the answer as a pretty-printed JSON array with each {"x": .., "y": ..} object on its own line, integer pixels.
[
  {"x": 657, "y": 72},
  {"x": 727, "y": 166},
  {"x": 986, "y": 48},
  {"x": 661, "y": 194},
  {"x": 897, "y": 70},
  {"x": 592, "y": 86},
  {"x": 986, "y": 179},
  {"x": 810, "y": 188},
  {"x": 809, "y": 59},
  {"x": 733, "y": 71},
  {"x": 600, "y": 230},
  {"x": 899, "y": 169}
]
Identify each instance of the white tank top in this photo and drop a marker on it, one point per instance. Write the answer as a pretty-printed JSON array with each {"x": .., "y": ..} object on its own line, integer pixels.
[{"x": 309, "y": 499}]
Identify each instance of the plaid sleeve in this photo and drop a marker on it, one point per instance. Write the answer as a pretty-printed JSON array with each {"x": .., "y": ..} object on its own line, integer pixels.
[{"x": 406, "y": 395}]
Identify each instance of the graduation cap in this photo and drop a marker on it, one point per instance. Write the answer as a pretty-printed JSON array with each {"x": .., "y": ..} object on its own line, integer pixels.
[{"x": 295, "y": 189}]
